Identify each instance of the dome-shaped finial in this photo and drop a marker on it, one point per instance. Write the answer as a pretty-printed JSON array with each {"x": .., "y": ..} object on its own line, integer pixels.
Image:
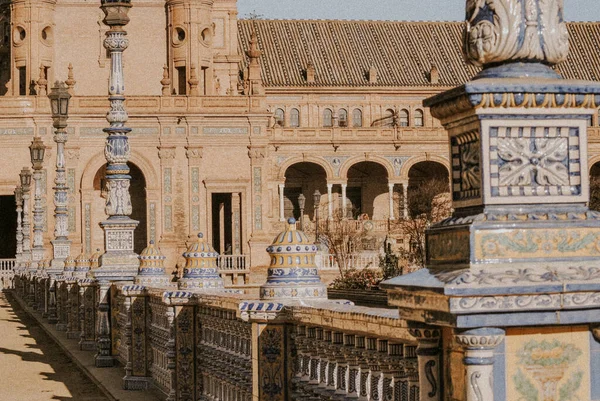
[
  {"x": 200, "y": 270},
  {"x": 293, "y": 273}
]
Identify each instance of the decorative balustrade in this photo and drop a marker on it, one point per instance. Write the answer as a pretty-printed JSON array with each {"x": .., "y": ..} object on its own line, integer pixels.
[
  {"x": 7, "y": 272},
  {"x": 228, "y": 263},
  {"x": 364, "y": 260},
  {"x": 217, "y": 346}
]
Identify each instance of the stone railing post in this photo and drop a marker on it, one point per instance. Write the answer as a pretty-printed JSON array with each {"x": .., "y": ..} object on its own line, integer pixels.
[
  {"x": 87, "y": 314},
  {"x": 104, "y": 356},
  {"x": 62, "y": 293},
  {"x": 479, "y": 345},
  {"x": 269, "y": 350},
  {"x": 73, "y": 301},
  {"x": 137, "y": 367},
  {"x": 428, "y": 354},
  {"x": 182, "y": 354}
]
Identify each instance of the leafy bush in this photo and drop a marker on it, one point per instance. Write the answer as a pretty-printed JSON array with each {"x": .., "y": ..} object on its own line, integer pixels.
[{"x": 364, "y": 279}]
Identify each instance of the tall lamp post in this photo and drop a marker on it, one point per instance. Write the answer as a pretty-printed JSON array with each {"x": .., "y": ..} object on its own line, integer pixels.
[
  {"x": 59, "y": 103},
  {"x": 19, "y": 203},
  {"x": 37, "y": 149},
  {"x": 25, "y": 177},
  {"x": 119, "y": 262},
  {"x": 316, "y": 203},
  {"x": 301, "y": 203}
]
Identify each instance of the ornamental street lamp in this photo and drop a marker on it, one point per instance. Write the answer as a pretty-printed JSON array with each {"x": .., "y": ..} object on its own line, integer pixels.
[
  {"x": 59, "y": 104},
  {"x": 119, "y": 262},
  {"x": 316, "y": 203},
  {"x": 19, "y": 203},
  {"x": 301, "y": 203},
  {"x": 37, "y": 150},
  {"x": 25, "y": 177}
]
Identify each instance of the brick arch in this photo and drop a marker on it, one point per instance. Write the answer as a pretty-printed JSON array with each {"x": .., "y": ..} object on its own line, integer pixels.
[
  {"x": 98, "y": 160},
  {"x": 418, "y": 159},
  {"x": 374, "y": 159},
  {"x": 592, "y": 161},
  {"x": 308, "y": 159}
]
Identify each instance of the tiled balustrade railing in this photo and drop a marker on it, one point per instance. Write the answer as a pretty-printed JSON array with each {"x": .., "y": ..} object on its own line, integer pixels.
[
  {"x": 7, "y": 267},
  {"x": 219, "y": 346}
]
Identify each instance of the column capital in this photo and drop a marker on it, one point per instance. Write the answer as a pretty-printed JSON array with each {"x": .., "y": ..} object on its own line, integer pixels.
[{"x": 482, "y": 338}]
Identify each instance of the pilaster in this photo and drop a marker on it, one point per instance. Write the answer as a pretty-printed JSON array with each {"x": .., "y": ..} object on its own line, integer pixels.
[{"x": 479, "y": 345}]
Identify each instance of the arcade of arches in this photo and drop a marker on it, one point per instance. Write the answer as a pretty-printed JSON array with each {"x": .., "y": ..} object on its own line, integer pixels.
[{"x": 365, "y": 193}]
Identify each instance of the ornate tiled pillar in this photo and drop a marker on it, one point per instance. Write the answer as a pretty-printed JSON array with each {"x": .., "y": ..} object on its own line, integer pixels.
[
  {"x": 119, "y": 262},
  {"x": 428, "y": 354},
  {"x": 517, "y": 250},
  {"x": 26, "y": 221},
  {"x": 269, "y": 345},
  {"x": 61, "y": 244},
  {"x": 479, "y": 345},
  {"x": 19, "y": 203},
  {"x": 137, "y": 367}
]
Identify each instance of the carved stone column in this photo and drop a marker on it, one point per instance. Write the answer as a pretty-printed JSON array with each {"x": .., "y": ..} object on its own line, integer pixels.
[
  {"x": 281, "y": 202},
  {"x": 391, "y": 200},
  {"x": 344, "y": 201},
  {"x": 405, "y": 199},
  {"x": 479, "y": 345},
  {"x": 329, "y": 201},
  {"x": 428, "y": 354}
]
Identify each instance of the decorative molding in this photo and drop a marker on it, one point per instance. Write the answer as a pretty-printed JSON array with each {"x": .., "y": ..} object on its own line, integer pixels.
[
  {"x": 497, "y": 276},
  {"x": 167, "y": 153}
]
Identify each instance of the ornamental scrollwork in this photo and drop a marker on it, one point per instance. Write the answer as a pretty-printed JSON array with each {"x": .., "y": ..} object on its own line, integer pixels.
[{"x": 515, "y": 30}]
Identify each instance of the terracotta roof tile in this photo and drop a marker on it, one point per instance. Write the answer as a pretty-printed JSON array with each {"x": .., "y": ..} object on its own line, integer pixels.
[{"x": 402, "y": 52}]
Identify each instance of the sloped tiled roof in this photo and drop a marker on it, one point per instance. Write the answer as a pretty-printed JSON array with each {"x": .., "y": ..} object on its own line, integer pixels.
[{"x": 402, "y": 52}]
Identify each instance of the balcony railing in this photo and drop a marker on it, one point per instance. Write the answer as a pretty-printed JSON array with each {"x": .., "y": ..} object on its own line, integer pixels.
[
  {"x": 359, "y": 261},
  {"x": 230, "y": 263}
]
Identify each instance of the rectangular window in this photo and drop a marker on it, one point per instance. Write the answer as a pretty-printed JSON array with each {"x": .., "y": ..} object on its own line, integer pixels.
[
  {"x": 181, "y": 81},
  {"x": 22, "y": 81}
]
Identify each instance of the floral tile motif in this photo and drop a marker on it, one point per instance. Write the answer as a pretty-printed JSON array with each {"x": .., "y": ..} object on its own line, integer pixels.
[
  {"x": 548, "y": 364},
  {"x": 535, "y": 161},
  {"x": 540, "y": 243}
]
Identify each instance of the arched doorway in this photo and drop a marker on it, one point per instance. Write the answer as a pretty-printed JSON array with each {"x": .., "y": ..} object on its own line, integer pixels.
[
  {"x": 426, "y": 180},
  {"x": 367, "y": 193},
  {"x": 137, "y": 190},
  {"x": 303, "y": 178},
  {"x": 595, "y": 187}
]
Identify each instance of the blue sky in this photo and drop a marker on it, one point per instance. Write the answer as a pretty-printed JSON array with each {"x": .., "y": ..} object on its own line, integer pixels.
[{"x": 575, "y": 10}]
